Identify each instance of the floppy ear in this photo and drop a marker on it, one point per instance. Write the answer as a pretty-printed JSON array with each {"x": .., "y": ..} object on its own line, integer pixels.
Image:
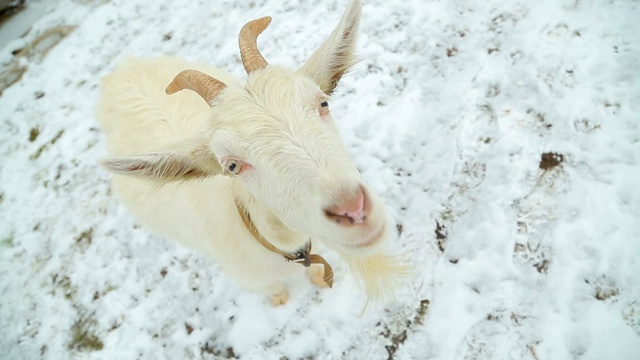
[
  {"x": 330, "y": 61},
  {"x": 190, "y": 159}
]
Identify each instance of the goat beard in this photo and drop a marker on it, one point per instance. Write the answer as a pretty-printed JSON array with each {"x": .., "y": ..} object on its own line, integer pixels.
[{"x": 380, "y": 274}]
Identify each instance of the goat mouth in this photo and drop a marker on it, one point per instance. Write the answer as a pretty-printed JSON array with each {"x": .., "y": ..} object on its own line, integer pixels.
[{"x": 372, "y": 240}]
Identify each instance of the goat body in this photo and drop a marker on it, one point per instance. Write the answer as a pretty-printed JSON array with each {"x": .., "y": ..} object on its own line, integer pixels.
[{"x": 182, "y": 165}]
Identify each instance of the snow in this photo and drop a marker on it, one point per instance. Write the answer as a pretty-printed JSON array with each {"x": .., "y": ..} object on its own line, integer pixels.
[{"x": 447, "y": 116}]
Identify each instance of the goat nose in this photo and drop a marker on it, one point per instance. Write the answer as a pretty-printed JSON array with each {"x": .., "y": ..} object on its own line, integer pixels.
[{"x": 349, "y": 210}]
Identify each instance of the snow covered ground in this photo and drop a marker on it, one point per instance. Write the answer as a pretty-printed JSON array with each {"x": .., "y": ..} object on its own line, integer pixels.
[{"x": 504, "y": 137}]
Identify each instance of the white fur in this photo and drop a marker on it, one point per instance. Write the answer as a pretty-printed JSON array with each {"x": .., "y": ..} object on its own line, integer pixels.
[{"x": 298, "y": 165}]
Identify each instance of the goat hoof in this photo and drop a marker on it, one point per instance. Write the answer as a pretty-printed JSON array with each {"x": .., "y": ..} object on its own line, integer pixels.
[
  {"x": 316, "y": 276},
  {"x": 280, "y": 298}
]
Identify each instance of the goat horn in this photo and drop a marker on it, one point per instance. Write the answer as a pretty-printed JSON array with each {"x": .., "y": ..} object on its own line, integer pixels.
[
  {"x": 251, "y": 57},
  {"x": 204, "y": 85}
]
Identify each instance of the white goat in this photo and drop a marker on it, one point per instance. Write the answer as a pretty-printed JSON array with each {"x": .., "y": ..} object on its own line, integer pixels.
[{"x": 261, "y": 166}]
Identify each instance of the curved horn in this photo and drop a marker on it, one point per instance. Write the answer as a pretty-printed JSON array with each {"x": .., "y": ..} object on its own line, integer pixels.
[
  {"x": 206, "y": 86},
  {"x": 251, "y": 57}
]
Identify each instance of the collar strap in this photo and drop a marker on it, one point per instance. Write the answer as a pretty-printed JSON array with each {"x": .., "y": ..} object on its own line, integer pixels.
[{"x": 301, "y": 257}]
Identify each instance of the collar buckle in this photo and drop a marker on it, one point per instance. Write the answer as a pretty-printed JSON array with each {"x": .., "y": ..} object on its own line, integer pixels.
[{"x": 302, "y": 257}]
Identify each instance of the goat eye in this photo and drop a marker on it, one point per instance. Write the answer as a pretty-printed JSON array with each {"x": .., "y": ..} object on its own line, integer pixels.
[
  {"x": 234, "y": 167},
  {"x": 323, "y": 107}
]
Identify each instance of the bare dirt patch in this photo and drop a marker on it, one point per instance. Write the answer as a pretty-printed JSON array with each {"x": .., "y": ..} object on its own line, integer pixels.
[
  {"x": 550, "y": 160},
  {"x": 37, "y": 49}
]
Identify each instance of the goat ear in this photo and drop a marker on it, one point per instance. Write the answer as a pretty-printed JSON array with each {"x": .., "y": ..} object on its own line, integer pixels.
[
  {"x": 191, "y": 159},
  {"x": 334, "y": 57}
]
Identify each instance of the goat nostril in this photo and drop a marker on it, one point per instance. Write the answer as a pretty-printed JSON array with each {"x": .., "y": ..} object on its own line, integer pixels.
[
  {"x": 342, "y": 219},
  {"x": 349, "y": 210}
]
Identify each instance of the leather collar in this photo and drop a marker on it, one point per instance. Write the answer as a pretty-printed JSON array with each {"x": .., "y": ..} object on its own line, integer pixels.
[{"x": 301, "y": 257}]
